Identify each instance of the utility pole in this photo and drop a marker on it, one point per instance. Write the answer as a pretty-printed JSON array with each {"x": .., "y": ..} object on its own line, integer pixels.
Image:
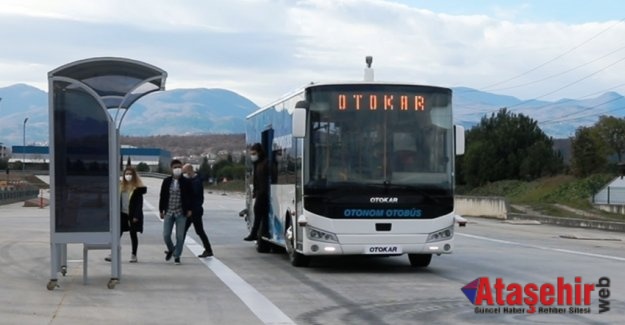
[{"x": 24, "y": 147}]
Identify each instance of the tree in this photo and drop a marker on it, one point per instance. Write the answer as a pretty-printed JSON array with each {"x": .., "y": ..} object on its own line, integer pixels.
[
  {"x": 231, "y": 172},
  {"x": 540, "y": 160},
  {"x": 478, "y": 154},
  {"x": 220, "y": 165},
  {"x": 143, "y": 167},
  {"x": 226, "y": 168},
  {"x": 611, "y": 130},
  {"x": 205, "y": 169},
  {"x": 222, "y": 168},
  {"x": 225, "y": 172},
  {"x": 508, "y": 146},
  {"x": 589, "y": 152},
  {"x": 238, "y": 172}
]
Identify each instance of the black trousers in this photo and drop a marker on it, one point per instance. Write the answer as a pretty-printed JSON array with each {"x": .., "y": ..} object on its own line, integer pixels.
[
  {"x": 261, "y": 213},
  {"x": 196, "y": 221},
  {"x": 134, "y": 240}
]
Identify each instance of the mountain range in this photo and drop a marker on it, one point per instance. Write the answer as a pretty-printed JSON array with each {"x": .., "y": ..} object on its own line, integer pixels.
[
  {"x": 220, "y": 111},
  {"x": 557, "y": 119},
  {"x": 171, "y": 112}
]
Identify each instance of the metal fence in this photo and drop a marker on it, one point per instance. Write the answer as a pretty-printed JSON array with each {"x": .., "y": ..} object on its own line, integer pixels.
[
  {"x": 610, "y": 195},
  {"x": 11, "y": 196}
]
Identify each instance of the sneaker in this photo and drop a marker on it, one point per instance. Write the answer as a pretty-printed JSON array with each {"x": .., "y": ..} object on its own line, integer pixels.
[
  {"x": 206, "y": 254},
  {"x": 168, "y": 255},
  {"x": 133, "y": 258},
  {"x": 177, "y": 260},
  {"x": 250, "y": 238},
  {"x": 108, "y": 258}
]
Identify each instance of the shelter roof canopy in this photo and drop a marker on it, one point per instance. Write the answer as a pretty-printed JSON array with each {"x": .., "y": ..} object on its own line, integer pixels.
[{"x": 118, "y": 81}]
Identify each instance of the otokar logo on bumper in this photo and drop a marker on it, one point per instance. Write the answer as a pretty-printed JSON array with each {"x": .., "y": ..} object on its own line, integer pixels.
[
  {"x": 560, "y": 297},
  {"x": 376, "y": 199}
]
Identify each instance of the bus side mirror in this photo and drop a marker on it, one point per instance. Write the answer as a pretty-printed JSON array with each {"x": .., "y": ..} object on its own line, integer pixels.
[
  {"x": 299, "y": 119},
  {"x": 459, "y": 134},
  {"x": 299, "y": 123}
]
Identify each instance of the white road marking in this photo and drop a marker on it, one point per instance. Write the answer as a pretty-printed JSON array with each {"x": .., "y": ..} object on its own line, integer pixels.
[
  {"x": 262, "y": 307},
  {"x": 567, "y": 251}
]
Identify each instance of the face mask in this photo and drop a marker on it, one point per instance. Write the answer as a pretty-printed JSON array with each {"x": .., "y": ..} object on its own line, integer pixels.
[
  {"x": 128, "y": 178},
  {"x": 186, "y": 175},
  {"x": 254, "y": 158},
  {"x": 177, "y": 172}
]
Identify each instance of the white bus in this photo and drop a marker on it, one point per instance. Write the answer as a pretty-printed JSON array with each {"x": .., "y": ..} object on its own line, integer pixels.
[{"x": 358, "y": 168}]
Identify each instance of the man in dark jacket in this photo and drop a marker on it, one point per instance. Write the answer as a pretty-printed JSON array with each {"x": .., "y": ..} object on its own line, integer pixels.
[
  {"x": 260, "y": 192},
  {"x": 175, "y": 206},
  {"x": 198, "y": 211}
]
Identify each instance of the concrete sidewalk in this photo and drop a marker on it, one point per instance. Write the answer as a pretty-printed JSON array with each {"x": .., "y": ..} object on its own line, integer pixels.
[{"x": 152, "y": 291}]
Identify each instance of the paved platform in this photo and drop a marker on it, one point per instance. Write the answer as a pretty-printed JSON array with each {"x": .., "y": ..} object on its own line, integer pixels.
[{"x": 152, "y": 291}]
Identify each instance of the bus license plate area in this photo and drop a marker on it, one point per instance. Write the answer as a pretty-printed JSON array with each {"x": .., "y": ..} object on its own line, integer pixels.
[{"x": 383, "y": 249}]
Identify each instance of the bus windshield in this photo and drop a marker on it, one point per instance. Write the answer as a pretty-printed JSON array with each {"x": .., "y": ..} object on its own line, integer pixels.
[{"x": 392, "y": 135}]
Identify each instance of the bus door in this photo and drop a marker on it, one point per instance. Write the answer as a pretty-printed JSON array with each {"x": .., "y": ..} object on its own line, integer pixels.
[{"x": 267, "y": 143}]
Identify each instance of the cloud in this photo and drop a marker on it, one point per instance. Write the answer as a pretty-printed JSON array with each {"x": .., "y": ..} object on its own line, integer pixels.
[{"x": 263, "y": 49}]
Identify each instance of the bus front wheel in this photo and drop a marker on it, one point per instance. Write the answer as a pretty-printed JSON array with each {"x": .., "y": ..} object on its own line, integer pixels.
[
  {"x": 420, "y": 260},
  {"x": 296, "y": 258}
]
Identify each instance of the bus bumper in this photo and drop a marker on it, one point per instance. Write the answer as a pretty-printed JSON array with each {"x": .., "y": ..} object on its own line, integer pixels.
[{"x": 382, "y": 247}]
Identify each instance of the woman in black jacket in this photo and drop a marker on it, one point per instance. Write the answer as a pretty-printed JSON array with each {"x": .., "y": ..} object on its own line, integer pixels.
[{"x": 132, "y": 191}]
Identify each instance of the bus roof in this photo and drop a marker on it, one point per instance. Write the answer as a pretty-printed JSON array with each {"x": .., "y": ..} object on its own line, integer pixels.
[{"x": 300, "y": 90}]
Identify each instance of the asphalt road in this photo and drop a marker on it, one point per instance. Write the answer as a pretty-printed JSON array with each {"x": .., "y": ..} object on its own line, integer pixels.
[{"x": 241, "y": 286}]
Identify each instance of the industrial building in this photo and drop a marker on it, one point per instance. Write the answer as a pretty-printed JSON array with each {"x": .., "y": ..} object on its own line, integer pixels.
[{"x": 38, "y": 157}]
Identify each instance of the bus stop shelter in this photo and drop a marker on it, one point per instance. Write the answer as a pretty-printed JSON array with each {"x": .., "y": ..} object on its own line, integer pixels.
[{"x": 88, "y": 100}]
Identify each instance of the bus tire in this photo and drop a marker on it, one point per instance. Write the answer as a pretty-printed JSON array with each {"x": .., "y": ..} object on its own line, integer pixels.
[
  {"x": 420, "y": 260},
  {"x": 296, "y": 259}
]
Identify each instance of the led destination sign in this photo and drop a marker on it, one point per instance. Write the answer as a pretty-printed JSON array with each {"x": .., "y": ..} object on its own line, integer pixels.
[{"x": 380, "y": 101}]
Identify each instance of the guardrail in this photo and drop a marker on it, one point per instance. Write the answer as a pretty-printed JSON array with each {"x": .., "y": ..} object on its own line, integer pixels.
[
  {"x": 153, "y": 174},
  {"x": 12, "y": 196}
]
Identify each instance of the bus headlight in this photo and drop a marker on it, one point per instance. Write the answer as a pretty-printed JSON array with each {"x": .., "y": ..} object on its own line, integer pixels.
[
  {"x": 321, "y": 235},
  {"x": 442, "y": 234}
]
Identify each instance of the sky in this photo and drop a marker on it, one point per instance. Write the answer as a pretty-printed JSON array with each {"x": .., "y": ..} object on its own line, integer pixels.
[{"x": 264, "y": 49}]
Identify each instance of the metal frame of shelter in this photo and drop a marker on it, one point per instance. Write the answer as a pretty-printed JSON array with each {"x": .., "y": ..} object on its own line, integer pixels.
[{"x": 88, "y": 100}]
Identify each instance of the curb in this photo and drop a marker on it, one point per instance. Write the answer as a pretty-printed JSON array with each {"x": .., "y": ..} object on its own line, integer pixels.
[
  {"x": 582, "y": 237},
  {"x": 571, "y": 222}
]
